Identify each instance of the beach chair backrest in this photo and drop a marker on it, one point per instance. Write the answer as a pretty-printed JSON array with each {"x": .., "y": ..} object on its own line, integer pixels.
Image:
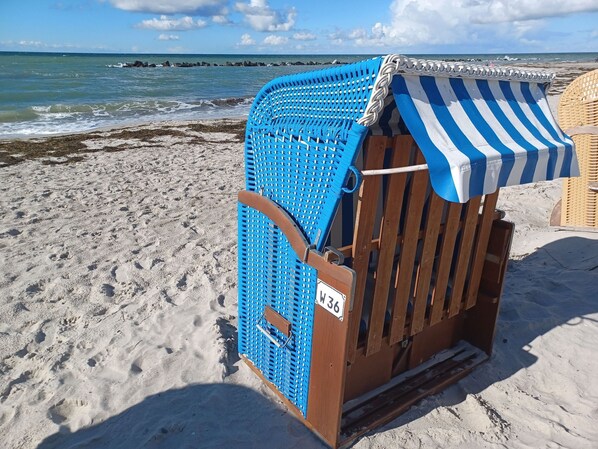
[
  {"x": 578, "y": 107},
  {"x": 419, "y": 259}
]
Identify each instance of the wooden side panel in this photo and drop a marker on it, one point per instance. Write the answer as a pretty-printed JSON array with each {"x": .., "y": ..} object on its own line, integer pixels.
[
  {"x": 480, "y": 325},
  {"x": 480, "y": 249},
  {"x": 434, "y": 339},
  {"x": 364, "y": 228},
  {"x": 419, "y": 185},
  {"x": 328, "y": 364},
  {"x": 369, "y": 372},
  {"x": 388, "y": 242},
  {"x": 464, "y": 254}
]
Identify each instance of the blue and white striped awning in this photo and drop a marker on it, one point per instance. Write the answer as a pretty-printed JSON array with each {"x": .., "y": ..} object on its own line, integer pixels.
[{"x": 481, "y": 134}]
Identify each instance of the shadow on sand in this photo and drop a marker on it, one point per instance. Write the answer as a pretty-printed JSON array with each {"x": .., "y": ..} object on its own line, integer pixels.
[
  {"x": 552, "y": 287},
  {"x": 555, "y": 286},
  {"x": 197, "y": 416}
]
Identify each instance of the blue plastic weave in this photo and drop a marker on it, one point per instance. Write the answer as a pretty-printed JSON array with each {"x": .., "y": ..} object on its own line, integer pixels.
[{"x": 302, "y": 138}]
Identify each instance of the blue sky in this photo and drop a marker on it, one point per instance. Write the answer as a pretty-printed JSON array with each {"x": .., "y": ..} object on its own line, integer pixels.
[{"x": 305, "y": 27}]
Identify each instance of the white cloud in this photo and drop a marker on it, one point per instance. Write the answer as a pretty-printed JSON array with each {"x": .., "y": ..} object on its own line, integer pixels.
[
  {"x": 168, "y": 37},
  {"x": 165, "y": 23},
  {"x": 32, "y": 44},
  {"x": 41, "y": 45},
  {"x": 199, "y": 7},
  {"x": 432, "y": 22},
  {"x": 246, "y": 39},
  {"x": 275, "y": 40},
  {"x": 263, "y": 18},
  {"x": 304, "y": 36},
  {"x": 493, "y": 11},
  {"x": 221, "y": 19}
]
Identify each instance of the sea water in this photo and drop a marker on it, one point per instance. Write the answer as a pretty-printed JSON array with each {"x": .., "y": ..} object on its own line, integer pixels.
[{"x": 51, "y": 93}]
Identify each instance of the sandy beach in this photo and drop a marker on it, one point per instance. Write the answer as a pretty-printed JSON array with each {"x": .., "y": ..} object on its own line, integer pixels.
[{"x": 118, "y": 306}]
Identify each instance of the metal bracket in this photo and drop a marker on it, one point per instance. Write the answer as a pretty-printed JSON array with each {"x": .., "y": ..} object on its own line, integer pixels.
[
  {"x": 331, "y": 251},
  {"x": 272, "y": 338}
]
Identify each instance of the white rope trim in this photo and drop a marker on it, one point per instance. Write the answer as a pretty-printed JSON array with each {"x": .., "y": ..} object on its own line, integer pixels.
[
  {"x": 395, "y": 64},
  {"x": 392, "y": 171}
]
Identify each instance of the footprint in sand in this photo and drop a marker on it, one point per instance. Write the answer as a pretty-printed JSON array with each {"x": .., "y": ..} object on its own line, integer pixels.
[
  {"x": 182, "y": 283},
  {"x": 156, "y": 262},
  {"x": 107, "y": 290},
  {"x": 63, "y": 410},
  {"x": 166, "y": 297},
  {"x": 137, "y": 366},
  {"x": 32, "y": 289},
  {"x": 40, "y": 337},
  {"x": 229, "y": 335}
]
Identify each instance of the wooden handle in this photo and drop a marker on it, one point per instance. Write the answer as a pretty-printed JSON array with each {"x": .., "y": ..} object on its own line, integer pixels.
[
  {"x": 295, "y": 237},
  {"x": 280, "y": 218},
  {"x": 277, "y": 320}
]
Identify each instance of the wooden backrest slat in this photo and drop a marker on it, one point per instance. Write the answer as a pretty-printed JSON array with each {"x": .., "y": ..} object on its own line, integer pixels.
[
  {"x": 417, "y": 196},
  {"x": 364, "y": 225},
  {"x": 430, "y": 242},
  {"x": 436, "y": 266},
  {"x": 481, "y": 246},
  {"x": 464, "y": 254},
  {"x": 445, "y": 260},
  {"x": 388, "y": 242}
]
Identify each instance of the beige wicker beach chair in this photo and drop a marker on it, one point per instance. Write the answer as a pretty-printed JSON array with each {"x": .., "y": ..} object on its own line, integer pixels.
[{"x": 578, "y": 116}]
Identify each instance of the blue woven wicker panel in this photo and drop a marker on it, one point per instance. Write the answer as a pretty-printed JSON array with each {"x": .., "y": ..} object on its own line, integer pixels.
[
  {"x": 270, "y": 274},
  {"x": 302, "y": 138}
]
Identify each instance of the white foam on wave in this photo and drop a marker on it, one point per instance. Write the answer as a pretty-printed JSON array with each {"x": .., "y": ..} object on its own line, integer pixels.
[{"x": 65, "y": 119}]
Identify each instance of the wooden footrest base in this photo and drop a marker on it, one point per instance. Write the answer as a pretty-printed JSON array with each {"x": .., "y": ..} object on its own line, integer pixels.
[{"x": 386, "y": 403}]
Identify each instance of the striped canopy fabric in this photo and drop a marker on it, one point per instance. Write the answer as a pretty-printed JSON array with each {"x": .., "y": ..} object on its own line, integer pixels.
[{"x": 481, "y": 134}]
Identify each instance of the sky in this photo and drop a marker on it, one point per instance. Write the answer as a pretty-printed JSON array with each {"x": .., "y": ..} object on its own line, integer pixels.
[{"x": 300, "y": 27}]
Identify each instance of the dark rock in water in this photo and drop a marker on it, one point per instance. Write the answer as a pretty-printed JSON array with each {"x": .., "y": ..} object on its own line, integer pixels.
[{"x": 245, "y": 63}]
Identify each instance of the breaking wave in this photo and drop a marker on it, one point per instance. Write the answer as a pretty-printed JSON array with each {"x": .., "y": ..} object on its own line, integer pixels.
[{"x": 68, "y": 118}]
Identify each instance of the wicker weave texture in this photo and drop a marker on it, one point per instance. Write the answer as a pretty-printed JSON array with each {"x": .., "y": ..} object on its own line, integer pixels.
[
  {"x": 270, "y": 274},
  {"x": 578, "y": 107},
  {"x": 302, "y": 138}
]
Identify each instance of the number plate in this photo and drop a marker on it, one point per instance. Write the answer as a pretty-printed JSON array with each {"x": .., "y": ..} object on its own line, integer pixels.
[{"x": 331, "y": 299}]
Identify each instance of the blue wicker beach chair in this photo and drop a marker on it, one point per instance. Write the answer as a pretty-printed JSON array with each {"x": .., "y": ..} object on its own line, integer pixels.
[{"x": 371, "y": 256}]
